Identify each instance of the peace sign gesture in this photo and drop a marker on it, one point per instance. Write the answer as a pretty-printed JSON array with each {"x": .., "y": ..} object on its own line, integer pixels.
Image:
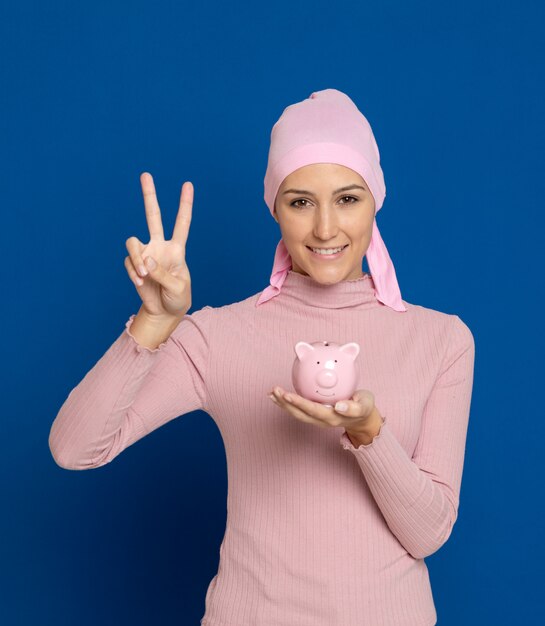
[{"x": 158, "y": 269}]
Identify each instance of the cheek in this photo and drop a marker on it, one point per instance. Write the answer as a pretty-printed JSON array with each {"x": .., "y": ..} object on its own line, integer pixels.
[
  {"x": 366, "y": 240},
  {"x": 363, "y": 239},
  {"x": 367, "y": 230},
  {"x": 294, "y": 229}
]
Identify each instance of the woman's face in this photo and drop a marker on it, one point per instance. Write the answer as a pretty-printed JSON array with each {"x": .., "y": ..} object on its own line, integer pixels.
[{"x": 315, "y": 209}]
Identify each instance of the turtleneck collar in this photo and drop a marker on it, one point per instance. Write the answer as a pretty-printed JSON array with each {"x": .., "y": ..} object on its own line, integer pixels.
[{"x": 358, "y": 293}]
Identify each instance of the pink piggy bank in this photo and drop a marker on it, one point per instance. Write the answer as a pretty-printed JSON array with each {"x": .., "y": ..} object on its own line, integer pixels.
[{"x": 325, "y": 371}]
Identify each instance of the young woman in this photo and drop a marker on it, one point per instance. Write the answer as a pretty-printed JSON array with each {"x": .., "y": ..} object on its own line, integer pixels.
[{"x": 331, "y": 510}]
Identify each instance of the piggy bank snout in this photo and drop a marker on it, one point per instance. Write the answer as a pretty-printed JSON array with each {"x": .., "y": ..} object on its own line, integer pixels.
[{"x": 327, "y": 378}]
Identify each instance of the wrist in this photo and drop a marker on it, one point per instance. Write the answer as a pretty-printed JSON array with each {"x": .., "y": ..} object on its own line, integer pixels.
[
  {"x": 159, "y": 321},
  {"x": 369, "y": 431},
  {"x": 151, "y": 331}
]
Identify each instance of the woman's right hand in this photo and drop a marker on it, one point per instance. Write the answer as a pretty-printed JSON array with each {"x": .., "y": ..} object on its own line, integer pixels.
[{"x": 165, "y": 289}]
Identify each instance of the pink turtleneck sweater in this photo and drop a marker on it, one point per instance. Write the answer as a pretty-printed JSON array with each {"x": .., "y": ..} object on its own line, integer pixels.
[{"x": 318, "y": 533}]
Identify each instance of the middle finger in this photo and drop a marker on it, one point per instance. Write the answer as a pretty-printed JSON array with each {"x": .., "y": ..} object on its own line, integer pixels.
[{"x": 183, "y": 219}]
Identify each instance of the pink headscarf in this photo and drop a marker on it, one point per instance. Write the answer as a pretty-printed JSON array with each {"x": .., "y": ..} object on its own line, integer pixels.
[{"x": 327, "y": 127}]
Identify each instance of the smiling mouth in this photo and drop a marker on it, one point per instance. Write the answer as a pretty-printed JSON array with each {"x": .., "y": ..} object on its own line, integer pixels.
[
  {"x": 327, "y": 395},
  {"x": 330, "y": 248}
]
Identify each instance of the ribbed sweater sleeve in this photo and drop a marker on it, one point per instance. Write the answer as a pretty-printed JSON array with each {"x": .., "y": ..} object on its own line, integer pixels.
[
  {"x": 419, "y": 497},
  {"x": 131, "y": 391}
]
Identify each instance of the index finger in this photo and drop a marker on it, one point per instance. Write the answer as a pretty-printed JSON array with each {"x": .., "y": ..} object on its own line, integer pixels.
[
  {"x": 183, "y": 219},
  {"x": 153, "y": 213}
]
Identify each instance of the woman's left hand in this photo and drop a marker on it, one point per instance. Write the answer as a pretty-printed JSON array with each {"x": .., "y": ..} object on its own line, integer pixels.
[{"x": 360, "y": 415}]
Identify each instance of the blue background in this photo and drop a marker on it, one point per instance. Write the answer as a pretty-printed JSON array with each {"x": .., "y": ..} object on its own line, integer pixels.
[{"x": 92, "y": 95}]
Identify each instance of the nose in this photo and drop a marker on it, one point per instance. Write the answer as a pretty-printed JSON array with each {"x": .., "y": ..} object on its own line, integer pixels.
[
  {"x": 325, "y": 226},
  {"x": 326, "y": 379}
]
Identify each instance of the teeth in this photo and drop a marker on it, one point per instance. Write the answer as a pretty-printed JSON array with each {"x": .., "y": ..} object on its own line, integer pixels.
[{"x": 327, "y": 250}]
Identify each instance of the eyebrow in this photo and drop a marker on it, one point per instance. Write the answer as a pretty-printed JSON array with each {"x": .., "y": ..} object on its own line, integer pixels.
[{"x": 309, "y": 193}]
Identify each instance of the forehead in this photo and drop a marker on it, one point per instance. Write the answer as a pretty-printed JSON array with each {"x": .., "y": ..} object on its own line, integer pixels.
[{"x": 323, "y": 175}]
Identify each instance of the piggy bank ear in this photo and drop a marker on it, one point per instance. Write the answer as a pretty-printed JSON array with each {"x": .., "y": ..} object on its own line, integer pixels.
[
  {"x": 352, "y": 349},
  {"x": 302, "y": 349}
]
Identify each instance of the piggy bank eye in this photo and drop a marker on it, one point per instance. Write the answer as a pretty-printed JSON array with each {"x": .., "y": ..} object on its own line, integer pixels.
[{"x": 335, "y": 360}]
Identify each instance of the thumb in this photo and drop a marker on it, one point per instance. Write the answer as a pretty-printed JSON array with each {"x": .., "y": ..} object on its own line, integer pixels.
[
  {"x": 363, "y": 398},
  {"x": 363, "y": 395}
]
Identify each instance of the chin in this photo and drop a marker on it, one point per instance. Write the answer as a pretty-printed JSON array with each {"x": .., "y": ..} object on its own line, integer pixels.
[{"x": 323, "y": 277}]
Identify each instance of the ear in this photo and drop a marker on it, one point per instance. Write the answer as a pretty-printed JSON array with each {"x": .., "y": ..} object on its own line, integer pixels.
[
  {"x": 352, "y": 349},
  {"x": 303, "y": 349}
]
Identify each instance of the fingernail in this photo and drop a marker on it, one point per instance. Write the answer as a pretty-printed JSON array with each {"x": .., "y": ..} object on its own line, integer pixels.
[
  {"x": 142, "y": 270},
  {"x": 150, "y": 263},
  {"x": 341, "y": 406}
]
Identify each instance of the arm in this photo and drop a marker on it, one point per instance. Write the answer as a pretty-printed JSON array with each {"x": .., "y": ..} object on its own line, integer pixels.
[
  {"x": 419, "y": 497},
  {"x": 131, "y": 391}
]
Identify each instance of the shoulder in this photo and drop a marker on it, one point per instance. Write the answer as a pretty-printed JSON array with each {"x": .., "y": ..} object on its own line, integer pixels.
[
  {"x": 423, "y": 314},
  {"x": 223, "y": 314},
  {"x": 447, "y": 328}
]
